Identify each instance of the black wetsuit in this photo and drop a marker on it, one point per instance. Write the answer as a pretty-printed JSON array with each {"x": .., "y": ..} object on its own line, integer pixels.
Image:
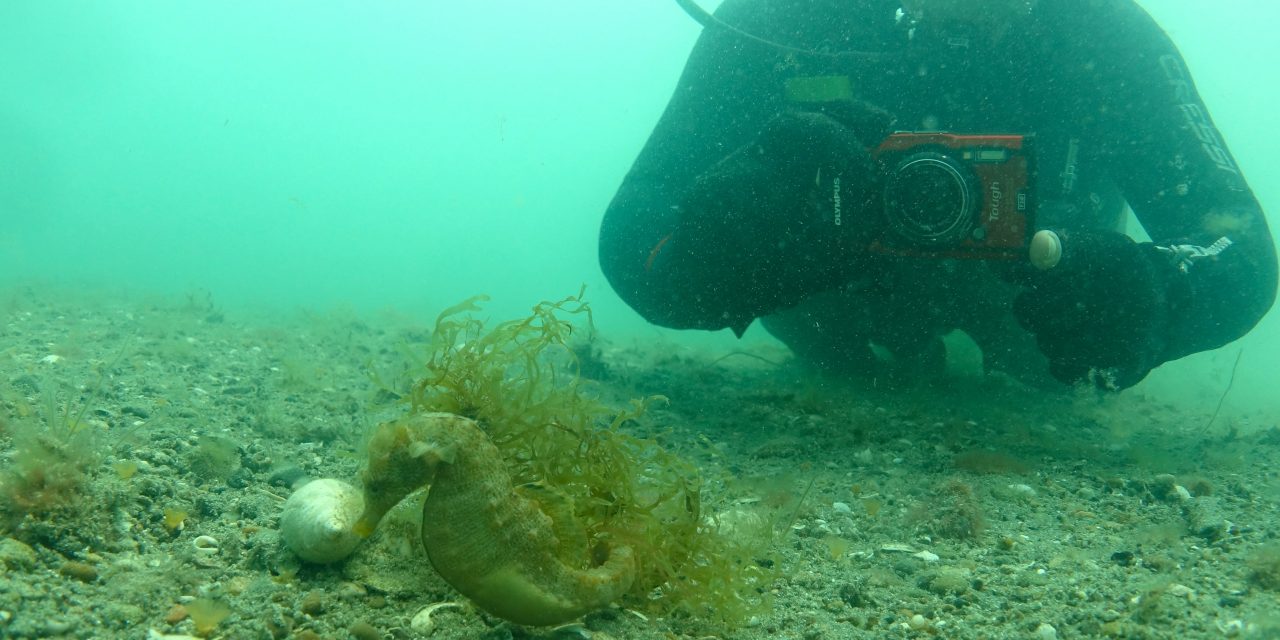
[{"x": 1116, "y": 119}]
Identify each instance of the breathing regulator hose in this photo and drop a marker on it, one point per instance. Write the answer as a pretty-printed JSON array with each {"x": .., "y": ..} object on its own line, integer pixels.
[
  {"x": 708, "y": 21},
  {"x": 696, "y": 12}
]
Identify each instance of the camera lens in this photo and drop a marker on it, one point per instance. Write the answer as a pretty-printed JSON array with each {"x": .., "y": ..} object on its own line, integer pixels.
[{"x": 930, "y": 199}]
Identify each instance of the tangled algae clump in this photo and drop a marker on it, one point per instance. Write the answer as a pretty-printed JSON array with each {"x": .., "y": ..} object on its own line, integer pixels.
[{"x": 502, "y": 416}]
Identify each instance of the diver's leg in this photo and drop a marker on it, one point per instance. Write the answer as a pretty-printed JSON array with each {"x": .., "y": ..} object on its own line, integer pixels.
[
  {"x": 1006, "y": 347},
  {"x": 919, "y": 353},
  {"x": 834, "y": 331},
  {"x": 827, "y": 332},
  {"x": 1011, "y": 350}
]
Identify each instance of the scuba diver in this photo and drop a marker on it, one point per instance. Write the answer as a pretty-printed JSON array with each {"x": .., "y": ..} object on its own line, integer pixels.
[{"x": 866, "y": 176}]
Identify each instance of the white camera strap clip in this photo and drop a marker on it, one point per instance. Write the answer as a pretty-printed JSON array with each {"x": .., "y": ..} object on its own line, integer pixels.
[{"x": 1185, "y": 255}]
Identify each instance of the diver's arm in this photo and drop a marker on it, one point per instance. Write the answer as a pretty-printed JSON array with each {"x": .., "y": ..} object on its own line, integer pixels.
[
  {"x": 724, "y": 97},
  {"x": 731, "y": 211},
  {"x": 1186, "y": 189}
]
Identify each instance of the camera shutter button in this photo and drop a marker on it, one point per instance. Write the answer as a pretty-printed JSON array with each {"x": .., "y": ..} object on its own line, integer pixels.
[{"x": 1045, "y": 250}]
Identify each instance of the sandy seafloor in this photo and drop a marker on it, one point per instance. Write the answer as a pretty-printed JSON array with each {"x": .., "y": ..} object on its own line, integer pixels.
[{"x": 974, "y": 509}]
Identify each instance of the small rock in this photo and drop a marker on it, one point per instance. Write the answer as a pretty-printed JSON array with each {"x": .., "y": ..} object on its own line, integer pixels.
[
  {"x": 856, "y": 595},
  {"x": 288, "y": 477},
  {"x": 897, "y": 547},
  {"x": 313, "y": 603},
  {"x": 152, "y": 634},
  {"x": 177, "y": 613},
  {"x": 27, "y": 384},
  {"x": 948, "y": 580},
  {"x": 1231, "y": 628},
  {"x": 351, "y": 591},
  {"x": 364, "y": 631},
  {"x": 927, "y": 556},
  {"x": 58, "y": 627},
  {"x": 82, "y": 571},
  {"x": 16, "y": 555},
  {"x": 1207, "y": 519},
  {"x": 238, "y": 585},
  {"x": 1021, "y": 491},
  {"x": 1124, "y": 558},
  {"x": 1162, "y": 486},
  {"x": 121, "y": 615},
  {"x": 135, "y": 411},
  {"x": 1045, "y": 632},
  {"x": 918, "y": 622}
]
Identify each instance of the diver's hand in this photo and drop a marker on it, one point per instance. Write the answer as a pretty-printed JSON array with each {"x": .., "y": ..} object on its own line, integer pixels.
[
  {"x": 794, "y": 200},
  {"x": 1098, "y": 306},
  {"x": 782, "y": 218}
]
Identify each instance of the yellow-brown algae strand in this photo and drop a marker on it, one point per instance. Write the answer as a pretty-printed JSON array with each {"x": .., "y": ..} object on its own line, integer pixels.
[{"x": 495, "y": 544}]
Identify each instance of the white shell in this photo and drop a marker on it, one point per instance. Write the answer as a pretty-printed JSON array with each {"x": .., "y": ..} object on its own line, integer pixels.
[
  {"x": 926, "y": 555},
  {"x": 205, "y": 545},
  {"x": 422, "y": 622},
  {"x": 318, "y": 520}
]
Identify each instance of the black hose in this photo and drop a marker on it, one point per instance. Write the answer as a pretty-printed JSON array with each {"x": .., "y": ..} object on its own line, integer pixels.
[
  {"x": 708, "y": 21},
  {"x": 696, "y": 12}
]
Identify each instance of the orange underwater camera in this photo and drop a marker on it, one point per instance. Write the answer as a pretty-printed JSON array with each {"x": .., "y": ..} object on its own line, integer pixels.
[{"x": 948, "y": 195}]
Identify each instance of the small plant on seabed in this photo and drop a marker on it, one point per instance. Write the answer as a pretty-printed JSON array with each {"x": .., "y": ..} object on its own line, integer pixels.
[
  {"x": 951, "y": 511},
  {"x": 53, "y": 455},
  {"x": 1264, "y": 567}
]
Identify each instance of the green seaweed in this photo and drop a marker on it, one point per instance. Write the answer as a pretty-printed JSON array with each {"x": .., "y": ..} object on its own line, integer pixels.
[
  {"x": 1264, "y": 566},
  {"x": 213, "y": 458},
  {"x": 519, "y": 380},
  {"x": 54, "y": 455}
]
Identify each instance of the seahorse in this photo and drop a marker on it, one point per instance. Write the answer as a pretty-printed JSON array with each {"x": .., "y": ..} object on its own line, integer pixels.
[{"x": 514, "y": 551}]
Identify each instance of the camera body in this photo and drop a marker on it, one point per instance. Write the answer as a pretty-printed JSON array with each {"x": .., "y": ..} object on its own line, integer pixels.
[{"x": 951, "y": 195}]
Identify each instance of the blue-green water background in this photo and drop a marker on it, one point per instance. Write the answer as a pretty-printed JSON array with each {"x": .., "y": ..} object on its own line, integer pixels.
[{"x": 412, "y": 154}]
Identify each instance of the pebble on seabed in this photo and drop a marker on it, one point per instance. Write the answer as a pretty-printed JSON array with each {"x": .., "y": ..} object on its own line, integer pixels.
[{"x": 1046, "y": 632}]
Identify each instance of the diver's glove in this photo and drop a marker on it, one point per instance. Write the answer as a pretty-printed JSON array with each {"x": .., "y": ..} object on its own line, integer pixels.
[
  {"x": 787, "y": 215},
  {"x": 1100, "y": 309}
]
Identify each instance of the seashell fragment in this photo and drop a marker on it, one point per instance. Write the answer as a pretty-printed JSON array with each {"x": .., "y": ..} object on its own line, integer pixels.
[
  {"x": 897, "y": 547},
  {"x": 205, "y": 545},
  {"x": 927, "y": 556},
  {"x": 422, "y": 622}
]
